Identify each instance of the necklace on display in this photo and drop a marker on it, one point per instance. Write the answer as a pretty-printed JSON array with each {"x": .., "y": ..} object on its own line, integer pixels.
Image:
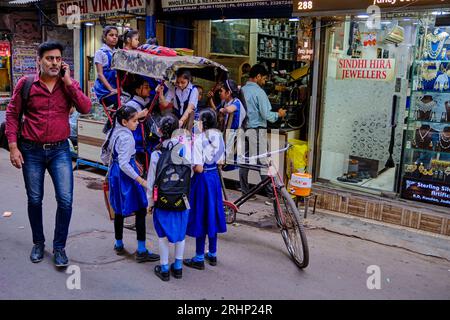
[
  {"x": 422, "y": 137},
  {"x": 444, "y": 141},
  {"x": 433, "y": 39},
  {"x": 426, "y": 106}
]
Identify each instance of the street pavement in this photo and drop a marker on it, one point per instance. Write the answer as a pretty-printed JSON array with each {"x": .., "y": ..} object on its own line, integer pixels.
[{"x": 252, "y": 261}]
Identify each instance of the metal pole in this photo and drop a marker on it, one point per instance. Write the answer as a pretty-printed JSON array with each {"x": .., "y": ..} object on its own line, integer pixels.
[
  {"x": 313, "y": 101},
  {"x": 150, "y": 20}
]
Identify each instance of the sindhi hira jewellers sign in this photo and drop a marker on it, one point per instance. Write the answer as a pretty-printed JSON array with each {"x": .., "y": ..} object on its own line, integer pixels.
[
  {"x": 318, "y": 7},
  {"x": 364, "y": 69}
]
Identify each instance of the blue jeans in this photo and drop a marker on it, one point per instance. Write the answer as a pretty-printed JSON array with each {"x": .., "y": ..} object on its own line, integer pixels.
[{"x": 57, "y": 160}]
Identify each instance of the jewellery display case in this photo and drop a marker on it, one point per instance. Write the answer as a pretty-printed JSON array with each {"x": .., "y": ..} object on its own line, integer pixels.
[{"x": 426, "y": 156}]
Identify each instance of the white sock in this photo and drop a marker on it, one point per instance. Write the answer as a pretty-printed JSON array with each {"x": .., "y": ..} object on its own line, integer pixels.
[
  {"x": 179, "y": 250},
  {"x": 164, "y": 251}
]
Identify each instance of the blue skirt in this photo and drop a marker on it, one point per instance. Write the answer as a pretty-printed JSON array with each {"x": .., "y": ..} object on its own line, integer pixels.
[
  {"x": 170, "y": 224},
  {"x": 125, "y": 195},
  {"x": 206, "y": 216}
]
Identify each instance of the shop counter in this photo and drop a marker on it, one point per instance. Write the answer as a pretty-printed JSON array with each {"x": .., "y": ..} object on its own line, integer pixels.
[{"x": 90, "y": 139}]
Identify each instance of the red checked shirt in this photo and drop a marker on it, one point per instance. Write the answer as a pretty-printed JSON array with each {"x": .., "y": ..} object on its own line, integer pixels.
[{"x": 46, "y": 119}]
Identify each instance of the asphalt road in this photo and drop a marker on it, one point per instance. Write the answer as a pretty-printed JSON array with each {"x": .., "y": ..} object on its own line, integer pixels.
[{"x": 252, "y": 263}]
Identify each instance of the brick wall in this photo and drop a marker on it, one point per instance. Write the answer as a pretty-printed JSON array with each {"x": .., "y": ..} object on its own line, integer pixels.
[{"x": 381, "y": 209}]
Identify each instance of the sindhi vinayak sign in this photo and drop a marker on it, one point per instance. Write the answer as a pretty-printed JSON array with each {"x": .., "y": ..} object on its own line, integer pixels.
[
  {"x": 366, "y": 69},
  {"x": 90, "y": 10}
]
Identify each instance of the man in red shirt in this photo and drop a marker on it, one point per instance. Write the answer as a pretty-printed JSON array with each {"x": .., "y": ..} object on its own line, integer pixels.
[{"x": 43, "y": 144}]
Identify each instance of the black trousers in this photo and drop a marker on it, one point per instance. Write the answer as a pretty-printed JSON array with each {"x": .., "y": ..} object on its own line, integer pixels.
[
  {"x": 257, "y": 138},
  {"x": 140, "y": 225}
]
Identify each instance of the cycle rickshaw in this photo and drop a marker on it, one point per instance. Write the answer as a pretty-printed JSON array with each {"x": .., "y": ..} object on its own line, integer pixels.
[{"x": 164, "y": 68}]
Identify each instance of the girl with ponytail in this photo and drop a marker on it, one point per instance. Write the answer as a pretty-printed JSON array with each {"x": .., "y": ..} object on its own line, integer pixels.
[
  {"x": 127, "y": 188},
  {"x": 206, "y": 216},
  {"x": 170, "y": 225}
]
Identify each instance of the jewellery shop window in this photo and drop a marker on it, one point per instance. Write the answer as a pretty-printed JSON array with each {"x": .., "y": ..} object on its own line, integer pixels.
[
  {"x": 364, "y": 97},
  {"x": 426, "y": 171}
]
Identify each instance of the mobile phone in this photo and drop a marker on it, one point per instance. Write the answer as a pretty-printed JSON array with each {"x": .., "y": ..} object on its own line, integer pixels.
[{"x": 62, "y": 72}]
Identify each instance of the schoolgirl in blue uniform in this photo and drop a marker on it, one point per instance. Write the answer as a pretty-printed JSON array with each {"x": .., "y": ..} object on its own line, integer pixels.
[
  {"x": 206, "y": 216},
  {"x": 106, "y": 83},
  {"x": 234, "y": 115},
  {"x": 169, "y": 225},
  {"x": 140, "y": 89},
  {"x": 127, "y": 188},
  {"x": 184, "y": 97},
  {"x": 105, "y": 86}
]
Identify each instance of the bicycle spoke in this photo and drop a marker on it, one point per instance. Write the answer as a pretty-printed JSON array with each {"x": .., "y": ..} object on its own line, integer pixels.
[{"x": 292, "y": 231}]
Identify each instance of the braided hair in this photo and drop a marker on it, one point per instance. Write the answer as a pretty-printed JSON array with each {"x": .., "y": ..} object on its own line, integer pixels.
[
  {"x": 124, "y": 113},
  {"x": 168, "y": 124},
  {"x": 208, "y": 118}
]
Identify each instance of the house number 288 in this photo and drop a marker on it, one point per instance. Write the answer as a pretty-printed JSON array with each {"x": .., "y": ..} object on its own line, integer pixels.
[{"x": 305, "y": 5}]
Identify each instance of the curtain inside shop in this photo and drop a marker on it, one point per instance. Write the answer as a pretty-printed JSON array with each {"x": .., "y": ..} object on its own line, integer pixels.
[{"x": 178, "y": 33}]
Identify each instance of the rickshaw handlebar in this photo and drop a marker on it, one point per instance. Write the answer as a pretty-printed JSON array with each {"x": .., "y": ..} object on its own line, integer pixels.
[{"x": 264, "y": 155}]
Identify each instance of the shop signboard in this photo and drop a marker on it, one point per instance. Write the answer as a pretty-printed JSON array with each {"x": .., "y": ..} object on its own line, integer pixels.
[
  {"x": 325, "y": 7},
  {"x": 91, "y": 10},
  {"x": 366, "y": 69},
  {"x": 430, "y": 192},
  {"x": 196, "y": 5},
  {"x": 5, "y": 49}
]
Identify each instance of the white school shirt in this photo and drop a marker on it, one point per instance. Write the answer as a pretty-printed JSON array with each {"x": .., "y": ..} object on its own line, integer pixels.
[
  {"x": 209, "y": 147},
  {"x": 122, "y": 140},
  {"x": 182, "y": 96}
]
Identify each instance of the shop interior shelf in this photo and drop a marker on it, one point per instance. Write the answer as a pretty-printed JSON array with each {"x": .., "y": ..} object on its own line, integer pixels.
[
  {"x": 411, "y": 121},
  {"x": 427, "y": 151},
  {"x": 242, "y": 40},
  {"x": 275, "y": 36},
  {"x": 424, "y": 178},
  {"x": 430, "y": 61},
  {"x": 431, "y": 91}
]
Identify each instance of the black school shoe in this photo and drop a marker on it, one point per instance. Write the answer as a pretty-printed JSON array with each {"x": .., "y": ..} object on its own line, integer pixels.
[
  {"x": 146, "y": 257},
  {"x": 176, "y": 273},
  {"x": 60, "y": 258},
  {"x": 37, "y": 253},
  {"x": 119, "y": 250},
  {"x": 212, "y": 260},
  {"x": 191, "y": 263},
  {"x": 164, "y": 276}
]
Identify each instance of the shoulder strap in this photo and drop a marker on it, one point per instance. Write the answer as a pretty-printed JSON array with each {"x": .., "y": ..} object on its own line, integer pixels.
[
  {"x": 142, "y": 106},
  {"x": 25, "y": 92},
  {"x": 25, "y": 95},
  {"x": 108, "y": 55},
  {"x": 185, "y": 103}
]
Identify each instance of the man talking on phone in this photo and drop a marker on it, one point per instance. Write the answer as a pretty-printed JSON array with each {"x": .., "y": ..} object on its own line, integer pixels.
[{"x": 37, "y": 128}]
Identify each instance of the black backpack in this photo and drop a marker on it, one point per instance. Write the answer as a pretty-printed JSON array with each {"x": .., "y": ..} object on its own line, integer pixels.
[
  {"x": 173, "y": 179},
  {"x": 25, "y": 93}
]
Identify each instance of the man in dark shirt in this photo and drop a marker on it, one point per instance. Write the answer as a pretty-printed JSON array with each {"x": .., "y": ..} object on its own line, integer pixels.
[{"x": 43, "y": 143}]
